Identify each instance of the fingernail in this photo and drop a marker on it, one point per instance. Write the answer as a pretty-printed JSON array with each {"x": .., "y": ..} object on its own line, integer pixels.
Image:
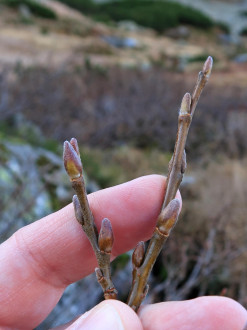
[{"x": 99, "y": 318}]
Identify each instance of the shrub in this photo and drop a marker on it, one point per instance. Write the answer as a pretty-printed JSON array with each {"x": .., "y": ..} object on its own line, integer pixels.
[
  {"x": 223, "y": 27},
  {"x": 243, "y": 13},
  {"x": 159, "y": 15},
  {"x": 199, "y": 58},
  {"x": 244, "y": 32},
  {"x": 35, "y": 7},
  {"x": 82, "y": 5}
]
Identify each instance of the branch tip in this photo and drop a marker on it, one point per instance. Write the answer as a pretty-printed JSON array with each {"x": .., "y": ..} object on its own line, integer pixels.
[
  {"x": 72, "y": 162},
  {"x": 106, "y": 238},
  {"x": 74, "y": 144},
  {"x": 207, "y": 67}
]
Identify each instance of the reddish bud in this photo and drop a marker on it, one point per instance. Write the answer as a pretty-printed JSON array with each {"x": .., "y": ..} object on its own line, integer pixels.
[
  {"x": 106, "y": 238},
  {"x": 138, "y": 254},
  {"x": 74, "y": 144},
  {"x": 168, "y": 217},
  {"x": 72, "y": 162}
]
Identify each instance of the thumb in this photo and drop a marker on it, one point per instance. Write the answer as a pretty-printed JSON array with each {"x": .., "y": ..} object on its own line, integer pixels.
[{"x": 109, "y": 314}]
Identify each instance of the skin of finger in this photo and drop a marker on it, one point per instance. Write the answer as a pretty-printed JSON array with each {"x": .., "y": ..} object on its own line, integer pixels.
[
  {"x": 41, "y": 259},
  {"x": 129, "y": 318},
  {"x": 204, "y": 313}
]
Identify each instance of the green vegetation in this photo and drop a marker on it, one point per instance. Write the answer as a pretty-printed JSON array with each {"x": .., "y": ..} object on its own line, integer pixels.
[
  {"x": 243, "y": 13},
  {"x": 223, "y": 27},
  {"x": 35, "y": 7},
  {"x": 244, "y": 32},
  {"x": 111, "y": 166},
  {"x": 19, "y": 130},
  {"x": 199, "y": 58},
  {"x": 159, "y": 15}
]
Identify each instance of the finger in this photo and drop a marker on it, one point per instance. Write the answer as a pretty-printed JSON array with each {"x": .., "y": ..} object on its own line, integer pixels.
[
  {"x": 204, "y": 313},
  {"x": 41, "y": 259},
  {"x": 107, "y": 315}
]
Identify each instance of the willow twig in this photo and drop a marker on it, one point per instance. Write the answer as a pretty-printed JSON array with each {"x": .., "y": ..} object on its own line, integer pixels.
[
  {"x": 142, "y": 270},
  {"x": 101, "y": 243},
  {"x": 169, "y": 211}
]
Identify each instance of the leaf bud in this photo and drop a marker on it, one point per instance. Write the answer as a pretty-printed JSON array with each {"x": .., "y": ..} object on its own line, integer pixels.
[
  {"x": 106, "y": 238},
  {"x": 72, "y": 162},
  {"x": 168, "y": 217},
  {"x": 185, "y": 105},
  {"x": 78, "y": 210},
  {"x": 74, "y": 144},
  {"x": 138, "y": 254},
  {"x": 207, "y": 67}
]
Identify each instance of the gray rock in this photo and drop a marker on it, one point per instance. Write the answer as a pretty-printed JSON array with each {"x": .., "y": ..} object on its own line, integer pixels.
[
  {"x": 241, "y": 58},
  {"x": 180, "y": 32},
  {"x": 129, "y": 26},
  {"x": 25, "y": 12},
  {"x": 120, "y": 42}
]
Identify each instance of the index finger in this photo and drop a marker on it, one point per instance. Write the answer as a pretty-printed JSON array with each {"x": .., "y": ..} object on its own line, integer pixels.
[{"x": 41, "y": 259}]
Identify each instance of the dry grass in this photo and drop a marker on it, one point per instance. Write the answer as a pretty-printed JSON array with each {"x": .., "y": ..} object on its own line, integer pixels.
[
  {"x": 116, "y": 106},
  {"x": 207, "y": 253}
]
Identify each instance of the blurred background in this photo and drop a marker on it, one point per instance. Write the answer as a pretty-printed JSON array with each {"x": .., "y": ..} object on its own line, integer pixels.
[{"x": 112, "y": 74}]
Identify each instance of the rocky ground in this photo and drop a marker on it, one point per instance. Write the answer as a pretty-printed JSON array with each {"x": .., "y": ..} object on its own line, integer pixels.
[
  {"x": 75, "y": 38},
  {"x": 228, "y": 12}
]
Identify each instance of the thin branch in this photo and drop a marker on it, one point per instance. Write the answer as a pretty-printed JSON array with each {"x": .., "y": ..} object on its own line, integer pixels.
[
  {"x": 142, "y": 270},
  {"x": 203, "y": 77},
  {"x": 101, "y": 243},
  {"x": 176, "y": 170}
]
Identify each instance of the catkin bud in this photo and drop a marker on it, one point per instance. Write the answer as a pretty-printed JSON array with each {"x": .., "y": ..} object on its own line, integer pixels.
[
  {"x": 138, "y": 254},
  {"x": 106, "y": 238},
  {"x": 74, "y": 144},
  {"x": 72, "y": 162},
  {"x": 77, "y": 209},
  {"x": 168, "y": 217},
  {"x": 185, "y": 104}
]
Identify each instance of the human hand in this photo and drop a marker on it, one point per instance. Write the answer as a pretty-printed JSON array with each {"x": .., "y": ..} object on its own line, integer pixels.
[{"x": 40, "y": 260}]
